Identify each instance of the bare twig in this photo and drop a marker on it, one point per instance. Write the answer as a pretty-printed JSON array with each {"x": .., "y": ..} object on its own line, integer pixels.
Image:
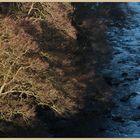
[
  {"x": 16, "y": 91},
  {"x": 31, "y": 8}
]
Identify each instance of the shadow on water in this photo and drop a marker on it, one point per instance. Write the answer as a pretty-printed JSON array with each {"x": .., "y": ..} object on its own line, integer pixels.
[
  {"x": 89, "y": 118},
  {"x": 92, "y": 54}
]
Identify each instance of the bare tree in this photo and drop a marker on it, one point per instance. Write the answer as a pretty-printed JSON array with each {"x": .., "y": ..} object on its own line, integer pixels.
[{"x": 14, "y": 75}]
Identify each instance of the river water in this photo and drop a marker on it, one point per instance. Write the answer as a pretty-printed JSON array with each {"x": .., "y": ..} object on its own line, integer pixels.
[{"x": 123, "y": 70}]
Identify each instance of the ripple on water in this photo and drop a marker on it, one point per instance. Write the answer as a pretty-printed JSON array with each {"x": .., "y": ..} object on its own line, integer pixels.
[
  {"x": 125, "y": 68},
  {"x": 135, "y": 101}
]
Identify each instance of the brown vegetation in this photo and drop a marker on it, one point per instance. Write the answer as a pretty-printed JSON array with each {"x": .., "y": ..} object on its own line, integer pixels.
[{"x": 39, "y": 69}]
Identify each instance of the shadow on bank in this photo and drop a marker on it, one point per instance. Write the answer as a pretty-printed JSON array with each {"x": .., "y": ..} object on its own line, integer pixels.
[{"x": 87, "y": 55}]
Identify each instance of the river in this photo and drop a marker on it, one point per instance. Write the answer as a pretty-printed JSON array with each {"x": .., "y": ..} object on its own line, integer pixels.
[{"x": 123, "y": 70}]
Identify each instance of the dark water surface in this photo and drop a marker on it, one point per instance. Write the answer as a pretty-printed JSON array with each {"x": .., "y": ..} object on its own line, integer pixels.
[
  {"x": 121, "y": 71},
  {"x": 124, "y": 73}
]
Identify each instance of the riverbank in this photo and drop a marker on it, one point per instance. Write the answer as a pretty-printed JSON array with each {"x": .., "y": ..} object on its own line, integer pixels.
[{"x": 61, "y": 52}]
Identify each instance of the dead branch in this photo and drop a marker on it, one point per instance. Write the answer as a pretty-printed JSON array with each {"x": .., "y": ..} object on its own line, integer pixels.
[{"x": 31, "y": 8}]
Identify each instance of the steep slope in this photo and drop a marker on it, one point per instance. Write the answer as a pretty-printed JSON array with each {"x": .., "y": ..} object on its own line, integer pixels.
[{"x": 48, "y": 75}]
